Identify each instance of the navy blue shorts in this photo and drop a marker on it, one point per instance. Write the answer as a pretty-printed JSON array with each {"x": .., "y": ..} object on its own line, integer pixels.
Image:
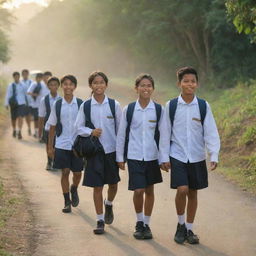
[
  {"x": 143, "y": 173},
  {"x": 27, "y": 110},
  {"x": 19, "y": 111},
  {"x": 34, "y": 113},
  {"x": 193, "y": 175},
  {"x": 66, "y": 159},
  {"x": 100, "y": 170}
]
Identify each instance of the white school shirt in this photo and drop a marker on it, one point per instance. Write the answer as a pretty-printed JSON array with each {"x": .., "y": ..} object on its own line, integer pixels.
[
  {"x": 27, "y": 84},
  {"x": 189, "y": 139},
  {"x": 142, "y": 144},
  {"x": 42, "y": 108},
  {"x": 20, "y": 93},
  {"x": 44, "y": 91},
  {"x": 68, "y": 116},
  {"x": 101, "y": 117}
]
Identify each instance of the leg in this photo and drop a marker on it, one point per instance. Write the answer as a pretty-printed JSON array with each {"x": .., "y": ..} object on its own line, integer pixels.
[
  {"x": 65, "y": 189},
  {"x": 149, "y": 200},
  {"x": 112, "y": 190},
  {"x": 98, "y": 200},
  {"x": 28, "y": 121},
  {"x": 14, "y": 124},
  {"x": 20, "y": 123},
  {"x": 76, "y": 178},
  {"x": 192, "y": 205},
  {"x": 74, "y": 195}
]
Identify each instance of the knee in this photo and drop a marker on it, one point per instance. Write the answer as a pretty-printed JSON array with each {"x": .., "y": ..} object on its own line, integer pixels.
[
  {"x": 65, "y": 173},
  {"x": 139, "y": 192},
  {"x": 182, "y": 191},
  {"x": 112, "y": 187},
  {"x": 192, "y": 194},
  {"x": 149, "y": 191},
  {"x": 98, "y": 190}
]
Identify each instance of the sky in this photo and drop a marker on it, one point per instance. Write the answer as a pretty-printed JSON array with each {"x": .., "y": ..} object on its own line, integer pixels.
[{"x": 16, "y": 3}]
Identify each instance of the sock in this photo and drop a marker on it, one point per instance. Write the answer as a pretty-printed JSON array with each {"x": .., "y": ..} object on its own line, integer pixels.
[
  {"x": 100, "y": 217},
  {"x": 140, "y": 216},
  {"x": 66, "y": 197},
  {"x": 189, "y": 226},
  {"x": 146, "y": 220},
  {"x": 181, "y": 219},
  {"x": 108, "y": 202}
]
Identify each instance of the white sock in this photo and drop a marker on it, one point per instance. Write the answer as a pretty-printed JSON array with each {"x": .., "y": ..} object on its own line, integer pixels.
[
  {"x": 140, "y": 216},
  {"x": 146, "y": 220},
  {"x": 108, "y": 202},
  {"x": 189, "y": 226},
  {"x": 181, "y": 219},
  {"x": 100, "y": 217}
]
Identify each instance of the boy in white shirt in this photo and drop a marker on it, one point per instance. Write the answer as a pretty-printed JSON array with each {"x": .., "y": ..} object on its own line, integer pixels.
[{"x": 187, "y": 128}]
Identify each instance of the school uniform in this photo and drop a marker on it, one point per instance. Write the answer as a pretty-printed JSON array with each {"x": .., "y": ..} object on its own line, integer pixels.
[
  {"x": 102, "y": 168},
  {"x": 64, "y": 156},
  {"x": 184, "y": 144},
  {"x": 26, "y": 84},
  {"x": 142, "y": 150},
  {"x": 20, "y": 94},
  {"x": 35, "y": 103}
]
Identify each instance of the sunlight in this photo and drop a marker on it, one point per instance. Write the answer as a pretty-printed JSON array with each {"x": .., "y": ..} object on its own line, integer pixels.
[{"x": 16, "y": 3}]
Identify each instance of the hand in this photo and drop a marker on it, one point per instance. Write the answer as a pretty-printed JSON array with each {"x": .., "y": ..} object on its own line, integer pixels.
[
  {"x": 96, "y": 132},
  {"x": 213, "y": 166},
  {"x": 51, "y": 152},
  {"x": 121, "y": 165},
  {"x": 165, "y": 166}
]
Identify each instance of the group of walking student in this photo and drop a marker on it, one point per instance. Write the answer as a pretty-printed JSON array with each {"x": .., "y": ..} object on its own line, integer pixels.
[{"x": 144, "y": 135}]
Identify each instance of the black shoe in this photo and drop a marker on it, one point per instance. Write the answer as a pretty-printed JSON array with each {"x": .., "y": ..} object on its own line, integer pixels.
[
  {"x": 139, "y": 230},
  {"x": 147, "y": 232},
  {"x": 19, "y": 136},
  {"x": 100, "y": 228},
  {"x": 109, "y": 215},
  {"x": 35, "y": 135},
  {"x": 67, "y": 207},
  {"x": 74, "y": 196},
  {"x": 14, "y": 134},
  {"x": 192, "y": 238},
  {"x": 181, "y": 234}
]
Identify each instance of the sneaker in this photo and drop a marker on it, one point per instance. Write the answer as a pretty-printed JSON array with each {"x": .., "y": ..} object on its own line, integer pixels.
[
  {"x": 74, "y": 196},
  {"x": 181, "y": 234},
  {"x": 67, "y": 208},
  {"x": 100, "y": 228},
  {"x": 19, "y": 136},
  {"x": 14, "y": 134},
  {"x": 147, "y": 232},
  {"x": 192, "y": 238},
  {"x": 109, "y": 215},
  {"x": 139, "y": 230}
]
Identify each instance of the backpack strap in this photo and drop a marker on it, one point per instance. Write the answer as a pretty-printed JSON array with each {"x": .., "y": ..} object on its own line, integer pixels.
[
  {"x": 158, "y": 108},
  {"x": 79, "y": 102},
  {"x": 58, "y": 110},
  {"x": 202, "y": 108},
  {"x": 112, "y": 105},
  {"x": 129, "y": 114},
  {"x": 172, "y": 109},
  {"x": 87, "y": 113},
  {"x": 48, "y": 107}
]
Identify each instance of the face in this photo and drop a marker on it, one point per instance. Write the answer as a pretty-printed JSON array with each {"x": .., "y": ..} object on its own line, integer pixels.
[
  {"x": 16, "y": 78},
  {"x": 25, "y": 75},
  {"x": 38, "y": 79},
  {"x": 45, "y": 78},
  {"x": 145, "y": 89},
  {"x": 98, "y": 85},
  {"x": 68, "y": 87},
  {"x": 188, "y": 84},
  {"x": 53, "y": 87}
]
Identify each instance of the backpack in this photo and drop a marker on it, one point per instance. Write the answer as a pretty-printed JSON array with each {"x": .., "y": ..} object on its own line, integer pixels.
[
  {"x": 58, "y": 111},
  {"x": 13, "y": 100},
  {"x": 173, "y": 106},
  {"x": 37, "y": 90},
  {"x": 129, "y": 114}
]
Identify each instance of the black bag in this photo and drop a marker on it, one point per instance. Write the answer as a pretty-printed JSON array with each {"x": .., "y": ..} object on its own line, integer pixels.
[{"x": 13, "y": 101}]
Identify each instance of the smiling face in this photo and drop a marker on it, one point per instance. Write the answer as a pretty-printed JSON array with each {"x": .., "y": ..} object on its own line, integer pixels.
[
  {"x": 145, "y": 89},
  {"x": 98, "y": 85},
  {"x": 188, "y": 84},
  {"x": 68, "y": 87},
  {"x": 53, "y": 87}
]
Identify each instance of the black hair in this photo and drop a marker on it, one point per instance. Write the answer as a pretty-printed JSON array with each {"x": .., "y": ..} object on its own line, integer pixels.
[
  {"x": 53, "y": 79},
  {"x": 39, "y": 75},
  {"x": 69, "y": 77},
  {"x": 25, "y": 71},
  {"x": 184, "y": 71},
  {"x": 47, "y": 73},
  {"x": 95, "y": 74},
  {"x": 16, "y": 73},
  {"x": 144, "y": 76}
]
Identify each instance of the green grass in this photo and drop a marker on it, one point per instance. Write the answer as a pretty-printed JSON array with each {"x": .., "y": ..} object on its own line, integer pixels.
[{"x": 4, "y": 253}]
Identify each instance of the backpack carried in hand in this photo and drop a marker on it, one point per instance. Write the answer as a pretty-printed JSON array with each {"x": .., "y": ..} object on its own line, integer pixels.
[
  {"x": 13, "y": 100},
  {"x": 37, "y": 90},
  {"x": 89, "y": 146}
]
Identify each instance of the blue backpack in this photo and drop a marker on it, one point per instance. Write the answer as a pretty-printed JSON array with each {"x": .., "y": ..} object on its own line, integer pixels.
[
  {"x": 58, "y": 110},
  {"x": 129, "y": 114},
  {"x": 173, "y": 106}
]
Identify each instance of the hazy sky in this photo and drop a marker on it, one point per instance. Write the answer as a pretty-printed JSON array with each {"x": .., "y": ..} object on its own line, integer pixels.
[{"x": 17, "y": 3}]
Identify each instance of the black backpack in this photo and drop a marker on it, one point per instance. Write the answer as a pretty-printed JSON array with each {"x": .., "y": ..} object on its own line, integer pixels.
[
  {"x": 37, "y": 90},
  {"x": 13, "y": 100}
]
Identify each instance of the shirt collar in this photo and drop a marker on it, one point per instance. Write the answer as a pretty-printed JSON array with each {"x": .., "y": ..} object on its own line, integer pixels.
[
  {"x": 95, "y": 102},
  {"x": 57, "y": 96},
  {"x": 74, "y": 101},
  {"x": 150, "y": 105},
  {"x": 193, "y": 102}
]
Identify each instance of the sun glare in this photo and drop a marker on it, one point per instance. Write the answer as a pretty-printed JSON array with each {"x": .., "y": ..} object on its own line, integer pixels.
[{"x": 16, "y": 3}]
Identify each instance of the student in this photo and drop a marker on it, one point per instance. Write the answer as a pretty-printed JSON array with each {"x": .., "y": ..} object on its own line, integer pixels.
[
  {"x": 37, "y": 90},
  {"x": 137, "y": 142},
  {"x": 104, "y": 114},
  {"x": 27, "y": 82},
  {"x": 61, "y": 121},
  {"x": 45, "y": 107},
  {"x": 187, "y": 128},
  {"x": 16, "y": 91}
]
